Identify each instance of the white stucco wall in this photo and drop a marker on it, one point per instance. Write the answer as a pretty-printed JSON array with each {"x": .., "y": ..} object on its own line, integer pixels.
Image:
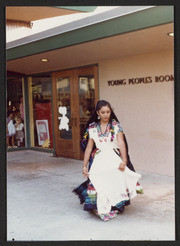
[{"x": 146, "y": 110}]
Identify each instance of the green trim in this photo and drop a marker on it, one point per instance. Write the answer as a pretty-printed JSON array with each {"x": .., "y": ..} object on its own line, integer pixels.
[
  {"x": 26, "y": 94},
  {"x": 52, "y": 108},
  {"x": 78, "y": 8},
  {"x": 132, "y": 22}
]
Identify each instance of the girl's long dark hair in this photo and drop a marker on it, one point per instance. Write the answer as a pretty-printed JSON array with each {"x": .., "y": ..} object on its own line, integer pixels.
[
  {"x": 94, "y": 117},
  {"x": 99, "y": 105}
]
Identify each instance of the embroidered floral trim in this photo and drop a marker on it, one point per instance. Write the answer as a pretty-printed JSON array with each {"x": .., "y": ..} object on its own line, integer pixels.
[
  {"x": 140, "y": 191},
  {"x": 108, "y": 216},
  {"x": 112, "y": 131},
  {"x": 109, "y": 129},
  {"x": 94, "y": 124},
  {"x": 86, "y": 134},
  {"x": 100, "y": 134},
  {"x": 92, "y": 193},
  {"x": 124, "y": 195},
  {"x": 139, "y": 188},
  {"x": 113, "y": 124},
  {"x": 95, "y": 152}
]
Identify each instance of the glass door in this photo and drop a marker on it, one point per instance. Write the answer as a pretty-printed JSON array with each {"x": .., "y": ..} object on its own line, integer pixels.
[
  {"x": 75, "y": 93},
  {"x": 64, "y": 110}
]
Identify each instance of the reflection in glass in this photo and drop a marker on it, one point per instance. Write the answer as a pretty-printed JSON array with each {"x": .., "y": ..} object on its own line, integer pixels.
[
  {"x": 86, "y": 99},
  {"x": 64, "y": 108},
  {"x": 15, "y": 106},
  {"x": 42, "y": 111}
]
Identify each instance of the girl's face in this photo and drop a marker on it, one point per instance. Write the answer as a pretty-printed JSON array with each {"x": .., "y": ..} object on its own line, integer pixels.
[
  {"x": 18, "y": 120},
  {"x": 104, "y": 113}
]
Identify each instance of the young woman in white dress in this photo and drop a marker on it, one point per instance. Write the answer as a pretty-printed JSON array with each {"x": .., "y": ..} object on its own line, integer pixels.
[{"x": 111, "y": 183}]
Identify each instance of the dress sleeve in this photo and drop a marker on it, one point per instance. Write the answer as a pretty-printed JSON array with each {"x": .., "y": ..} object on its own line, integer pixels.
[
  {"x": 90, "y": 133},
  {"x": 118, "y": 128}
]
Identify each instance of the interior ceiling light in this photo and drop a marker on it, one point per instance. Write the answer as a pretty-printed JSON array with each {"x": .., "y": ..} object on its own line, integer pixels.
[
  {"x": 171, "y": 34},
  {"x": 44, "y": 60}
]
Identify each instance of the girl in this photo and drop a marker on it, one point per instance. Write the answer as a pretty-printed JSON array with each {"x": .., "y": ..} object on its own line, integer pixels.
[
  {"x": 11, "y": 131},
  {"x": 111, "y": 183},
  {"x": 19, "y": 131}
]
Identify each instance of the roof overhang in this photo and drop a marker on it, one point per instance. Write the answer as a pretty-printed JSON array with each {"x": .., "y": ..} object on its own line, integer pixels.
[
  {"x": 138, "y": 32},
  {"x": 89, "y": 29},
  {"x": 150, "y": 40},
  {"x": 33, "y": 13}
]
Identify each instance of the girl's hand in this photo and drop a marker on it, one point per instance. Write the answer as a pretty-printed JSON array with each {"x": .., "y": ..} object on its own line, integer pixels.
[
  {"x": 85, "y": 172},
  {"x": 122, "y": 166}
]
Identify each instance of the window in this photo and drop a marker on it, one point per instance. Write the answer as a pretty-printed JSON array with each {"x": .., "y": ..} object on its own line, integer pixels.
[
  {"x": 15, "y": 113},
  {"x": 41, "y": 112}
]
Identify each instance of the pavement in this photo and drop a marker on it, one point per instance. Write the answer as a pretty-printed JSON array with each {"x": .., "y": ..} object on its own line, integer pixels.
[{"x": 42, "y": 207}]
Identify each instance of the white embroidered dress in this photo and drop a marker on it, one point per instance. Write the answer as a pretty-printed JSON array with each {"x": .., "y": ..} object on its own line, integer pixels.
[{"x": 110, "y": 183}]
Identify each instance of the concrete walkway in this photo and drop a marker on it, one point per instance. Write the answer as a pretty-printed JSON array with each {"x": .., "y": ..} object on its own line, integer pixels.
[{"x": 41, "y": 205}]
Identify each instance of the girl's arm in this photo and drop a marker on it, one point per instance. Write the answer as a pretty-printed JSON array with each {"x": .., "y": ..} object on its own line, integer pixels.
[
  {"x": 87, "y": 154},
  {"x": 123, "y": 150}
]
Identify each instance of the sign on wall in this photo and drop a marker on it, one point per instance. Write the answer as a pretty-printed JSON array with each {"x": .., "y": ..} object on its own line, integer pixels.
[
  {"x": 42, "y": 131},
  {"x": 141, "y": 80}
]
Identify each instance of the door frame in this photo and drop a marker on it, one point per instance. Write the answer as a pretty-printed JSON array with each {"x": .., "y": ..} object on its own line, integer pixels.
[{"x": 76, "y": 152}]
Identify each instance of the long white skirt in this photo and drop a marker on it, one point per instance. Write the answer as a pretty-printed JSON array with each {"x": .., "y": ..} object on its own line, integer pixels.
[{"x": 111, "y": 184}]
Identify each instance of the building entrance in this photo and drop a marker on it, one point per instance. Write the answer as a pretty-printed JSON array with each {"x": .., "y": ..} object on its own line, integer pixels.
[{"x": 75, "y": 93}]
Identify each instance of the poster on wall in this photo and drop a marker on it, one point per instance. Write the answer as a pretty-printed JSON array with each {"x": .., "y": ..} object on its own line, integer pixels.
[{"x": 42, "y": 131}]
